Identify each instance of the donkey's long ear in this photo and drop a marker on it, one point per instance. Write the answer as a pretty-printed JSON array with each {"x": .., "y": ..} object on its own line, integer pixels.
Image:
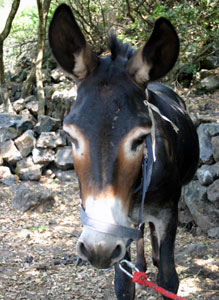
[
  {"x": 69, "y": 45},
  {"x": 158, "y": 55}
]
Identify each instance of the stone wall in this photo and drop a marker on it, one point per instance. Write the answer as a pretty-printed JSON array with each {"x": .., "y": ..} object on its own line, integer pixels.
[
  {"x": 200, "y": 198},
  {"x": 29, "y": 149}
]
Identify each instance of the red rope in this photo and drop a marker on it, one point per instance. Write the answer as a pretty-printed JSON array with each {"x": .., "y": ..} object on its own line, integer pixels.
[{"x": 141, "y": 278}]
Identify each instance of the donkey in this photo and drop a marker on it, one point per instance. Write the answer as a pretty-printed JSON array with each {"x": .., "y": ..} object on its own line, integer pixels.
[{"x": 109, "y": 125}]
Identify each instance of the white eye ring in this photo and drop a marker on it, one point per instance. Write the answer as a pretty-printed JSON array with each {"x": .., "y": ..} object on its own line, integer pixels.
[
  {"x": 136, "y": 135},
  {"x": 78, "y": 139}
]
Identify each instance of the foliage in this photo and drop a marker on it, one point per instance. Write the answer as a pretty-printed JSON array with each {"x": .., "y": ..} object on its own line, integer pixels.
[
  {"x": 23, "y": 35},
  {"x": 196, "y": 23}
]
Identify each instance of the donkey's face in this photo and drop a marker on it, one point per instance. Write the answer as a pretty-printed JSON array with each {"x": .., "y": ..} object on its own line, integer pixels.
[{"x": 108, "y": 123}]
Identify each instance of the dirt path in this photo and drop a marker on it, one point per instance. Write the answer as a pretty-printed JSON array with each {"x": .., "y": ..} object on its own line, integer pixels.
[{"x": 37, "y": 255}]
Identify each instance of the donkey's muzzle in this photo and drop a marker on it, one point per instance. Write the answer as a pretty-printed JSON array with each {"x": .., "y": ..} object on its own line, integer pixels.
[{"x": 101, "y": 254}]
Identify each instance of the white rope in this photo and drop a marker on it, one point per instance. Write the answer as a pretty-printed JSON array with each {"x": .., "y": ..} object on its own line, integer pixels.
[{"x": 154, "y": 108}]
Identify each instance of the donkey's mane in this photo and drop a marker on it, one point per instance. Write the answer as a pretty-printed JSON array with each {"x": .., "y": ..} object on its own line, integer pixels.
[{"x": 117, "y": 47}]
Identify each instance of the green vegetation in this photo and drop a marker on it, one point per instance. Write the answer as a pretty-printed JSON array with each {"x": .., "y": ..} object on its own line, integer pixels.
[{"x": 196, "y": 23}]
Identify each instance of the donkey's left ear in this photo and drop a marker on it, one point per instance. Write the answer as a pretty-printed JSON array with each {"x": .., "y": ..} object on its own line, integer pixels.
[{"x": 158, "y": 56}]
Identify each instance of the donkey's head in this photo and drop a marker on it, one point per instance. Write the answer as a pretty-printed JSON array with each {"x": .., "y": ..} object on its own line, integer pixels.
[{"x": 108, "y": 123}]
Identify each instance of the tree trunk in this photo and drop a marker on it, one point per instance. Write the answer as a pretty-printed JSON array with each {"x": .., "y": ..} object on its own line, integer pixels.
[
  {"x": 4, "y": 34},
  {"x": 35, "y": 74}
]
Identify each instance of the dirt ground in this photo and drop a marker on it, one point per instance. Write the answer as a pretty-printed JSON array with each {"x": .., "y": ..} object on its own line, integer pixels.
[{"x": 38, "y": 256}]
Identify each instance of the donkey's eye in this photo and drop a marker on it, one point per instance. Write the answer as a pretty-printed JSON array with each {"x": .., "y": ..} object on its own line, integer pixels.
[{"x": 138, "y": 142}]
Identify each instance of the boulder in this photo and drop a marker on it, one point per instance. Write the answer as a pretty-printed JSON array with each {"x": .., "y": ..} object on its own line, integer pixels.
[
  {"x": 9, "y": 152},
  {"x": 202, "y": 211},
  {"x": 51, "y": 139},
  {"x": 47, "y": 124},
  {"x": 9, "y": 120},
  {"x": 43, "y": 156},
  {"x": 19, "y": 105},
  {"x": 210, "y": 62},
  {"x": 63, "y": 158},
  {"x": 32, "y": 106},
  {"x": 212, "y": 128},
  {"x": 6, "y": 177},
  {"x": 26, "y": 142},
  {"x": 209, "y": 84},
  {"x": 205, "y": 174},
  {"x": 213, "y": 233},
  {"x": 31, "y": 196},
  {"x": 204, "y": 134},
  {"x": 216, "y": 170},
  {"x": 213, "y": 193},
  {"x": 27, "y": 170},
  {"x": 8, "y": 133},
  {"x": 215, "y": 147}
]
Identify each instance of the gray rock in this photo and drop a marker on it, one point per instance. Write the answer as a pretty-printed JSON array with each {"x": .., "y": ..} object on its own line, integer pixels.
[
  {"x": 9, "y": 120},
  {"x": 213, "y": 192},
  {"x": 9, "y": 152},
  {"x": 206, "y": 153},
  {"x": 51, "y": 139},
  {"x": 19, "y": 105},
  {"x": 216, "y": 170},
  {"x": 210, "y": 62},
  {"x": 32, "y": 106},
  {"x": 43, "y": 156},
  {"x": 209, "y": 84},
  {"x": 26, "y": 142},
  {"x": 6, "y": 177},
  {"x": 25, "y": 124},
  {"x": 27, "y": 170},
  {"x": 203, "y": 74},
  {"x": 47, "y": 124},
  {"x": 17, "y": 122},
  {"x": 31, "y": 196},
  {"x": 215, "y": 147},
  {"x": 57, "y": 75},
  {"x": 63, "y": 158},
  {"x": 205, "y": 174},
  {"x": 202, "y": 211},
  {"x": 8, "y": 133},
  {"x": 213, "y": 233},
  {"x": 30, "y": 98},
  {"x": 212, "y": 128},
  {"x": 68, "y": 175}
]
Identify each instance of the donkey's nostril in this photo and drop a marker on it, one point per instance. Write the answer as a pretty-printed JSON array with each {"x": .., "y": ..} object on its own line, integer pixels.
[
  {"x": 116, "y": 252},
  {"x": 83, "y": 249}
]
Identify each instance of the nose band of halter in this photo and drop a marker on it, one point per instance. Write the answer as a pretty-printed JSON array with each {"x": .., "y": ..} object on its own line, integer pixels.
[
  {"x": 118, "y": 230},
  {"x": 113, "y": 229}
]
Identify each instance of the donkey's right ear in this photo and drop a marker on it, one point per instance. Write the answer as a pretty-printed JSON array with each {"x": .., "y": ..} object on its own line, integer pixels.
[{"x": 69, "y": 45}]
